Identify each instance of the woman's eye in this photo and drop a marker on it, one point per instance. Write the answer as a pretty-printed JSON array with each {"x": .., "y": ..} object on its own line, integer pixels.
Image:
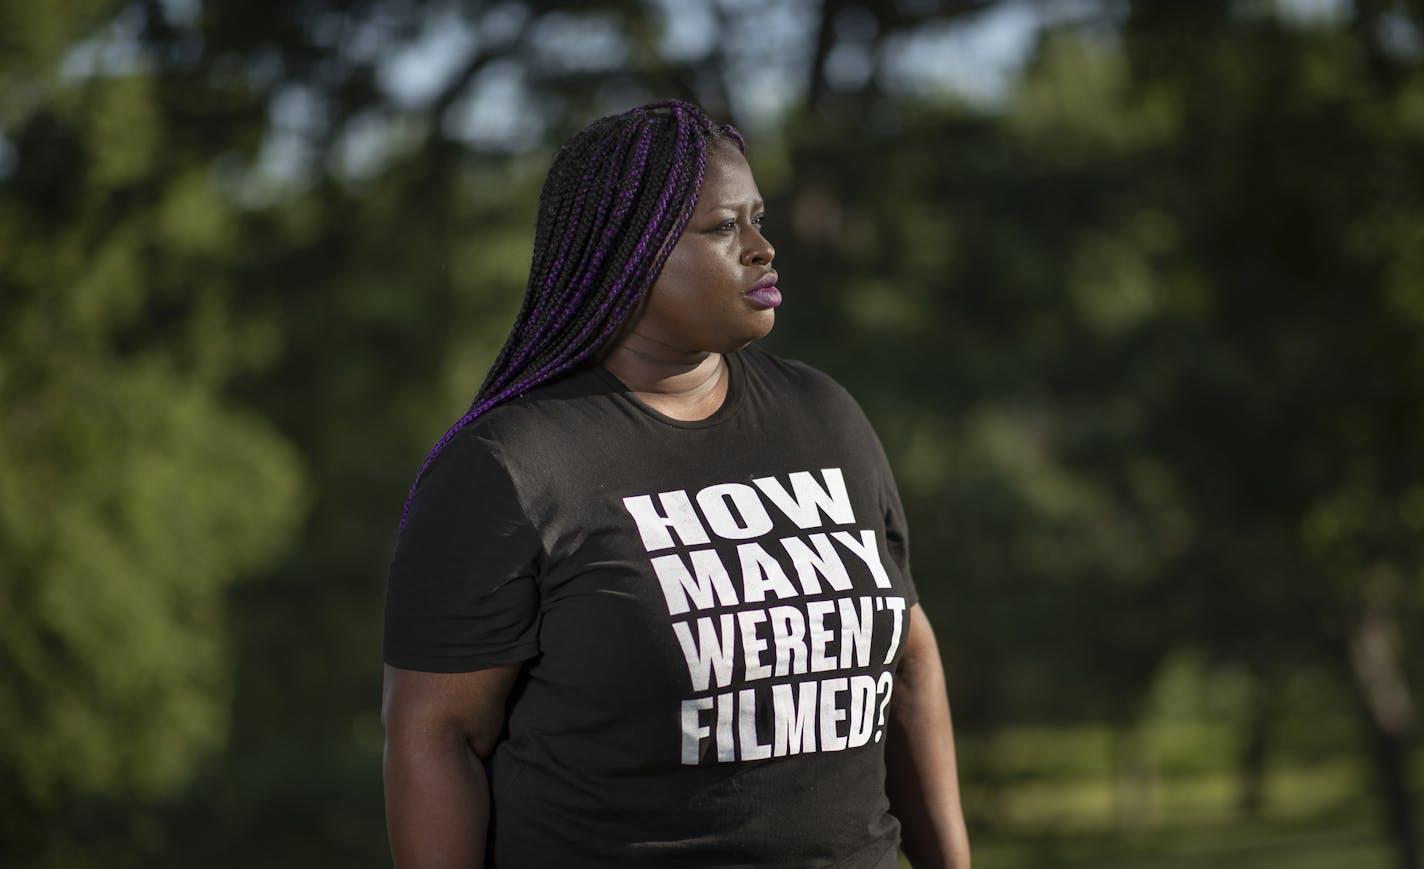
[{"x": 731, "y": 225}]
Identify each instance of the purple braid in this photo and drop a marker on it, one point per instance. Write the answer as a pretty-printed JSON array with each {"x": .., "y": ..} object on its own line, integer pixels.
[{"x": 617, "y": 197}]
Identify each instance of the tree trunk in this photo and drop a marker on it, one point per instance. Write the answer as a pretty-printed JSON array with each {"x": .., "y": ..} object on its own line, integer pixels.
[
  {"x": 1251, "y": 762},
  {"x": 825, "y": 40},
  {"x": 1388, "y": 712}
]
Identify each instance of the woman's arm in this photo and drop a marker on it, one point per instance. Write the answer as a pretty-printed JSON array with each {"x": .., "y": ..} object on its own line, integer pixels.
[
  {"x": 439, "y": 728},
  {"x": 921, "y": 776}
]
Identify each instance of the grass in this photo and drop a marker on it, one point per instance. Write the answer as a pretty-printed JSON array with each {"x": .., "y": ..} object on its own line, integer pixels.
[
  {"x": 1338, "y": 845},
  {"x": 1057, "y": 800}
]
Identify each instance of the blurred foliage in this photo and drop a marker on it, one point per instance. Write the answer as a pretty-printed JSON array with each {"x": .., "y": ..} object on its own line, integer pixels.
[
  {"x": 1144, "y": 339},
  {"x": 133, "y": 492}
]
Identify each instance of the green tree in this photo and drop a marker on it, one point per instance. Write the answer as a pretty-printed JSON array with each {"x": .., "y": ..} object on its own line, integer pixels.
[
  {"x": 1156, "y": 356},
  {"x": 133, "y": 492}
]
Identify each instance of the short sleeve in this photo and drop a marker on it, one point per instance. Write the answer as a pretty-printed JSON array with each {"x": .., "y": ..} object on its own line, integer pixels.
[
  {"x": 897, "y": 535},
  {"x": 462, "y": 593},
  {"x": 897, "y": 531}
]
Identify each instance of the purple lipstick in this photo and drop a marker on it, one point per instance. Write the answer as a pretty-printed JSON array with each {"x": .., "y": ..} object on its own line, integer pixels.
[{"x": 765, "y": 294}]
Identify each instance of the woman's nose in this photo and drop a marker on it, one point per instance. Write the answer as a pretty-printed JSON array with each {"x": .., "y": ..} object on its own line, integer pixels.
[{"x": 759, "y": 251}]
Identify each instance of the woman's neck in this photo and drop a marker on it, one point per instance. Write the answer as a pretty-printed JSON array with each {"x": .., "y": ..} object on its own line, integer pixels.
[{"x": 680, "y": 385}]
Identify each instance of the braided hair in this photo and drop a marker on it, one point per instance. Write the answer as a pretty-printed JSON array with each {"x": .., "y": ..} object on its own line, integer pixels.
[{"x": 616, "y": 199}]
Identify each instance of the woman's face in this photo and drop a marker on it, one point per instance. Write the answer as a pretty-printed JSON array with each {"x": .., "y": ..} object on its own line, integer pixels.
[{"x": 717, "y": 291}]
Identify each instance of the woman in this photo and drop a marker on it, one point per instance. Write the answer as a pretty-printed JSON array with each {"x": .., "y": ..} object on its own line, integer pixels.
[{"x": 651, "y": 598}]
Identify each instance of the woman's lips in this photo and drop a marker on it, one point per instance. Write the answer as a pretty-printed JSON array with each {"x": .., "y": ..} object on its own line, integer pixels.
[
  {"x": 765, "y": 294},
  {"x": 765, "y": 297}
]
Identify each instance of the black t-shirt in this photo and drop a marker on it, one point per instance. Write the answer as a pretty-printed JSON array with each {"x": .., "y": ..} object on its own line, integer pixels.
[{"x": 709, "y": 615}]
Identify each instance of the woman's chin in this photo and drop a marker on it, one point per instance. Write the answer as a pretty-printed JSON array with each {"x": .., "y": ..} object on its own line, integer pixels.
[{"x": 758, "y": 330}]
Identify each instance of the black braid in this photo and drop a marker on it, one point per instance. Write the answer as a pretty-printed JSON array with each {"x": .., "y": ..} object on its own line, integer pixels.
[{"x": 617, "y": 197}]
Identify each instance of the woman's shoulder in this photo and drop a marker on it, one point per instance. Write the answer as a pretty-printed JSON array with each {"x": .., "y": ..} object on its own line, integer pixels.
[
  {"x": 522, "y": 422},
  {"x": 795, "y": 377},
  {"x": 552, "y": 405}
]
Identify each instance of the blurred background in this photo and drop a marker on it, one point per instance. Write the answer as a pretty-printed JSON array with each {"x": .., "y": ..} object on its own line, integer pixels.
[{"x": 1133, "y": 291}]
